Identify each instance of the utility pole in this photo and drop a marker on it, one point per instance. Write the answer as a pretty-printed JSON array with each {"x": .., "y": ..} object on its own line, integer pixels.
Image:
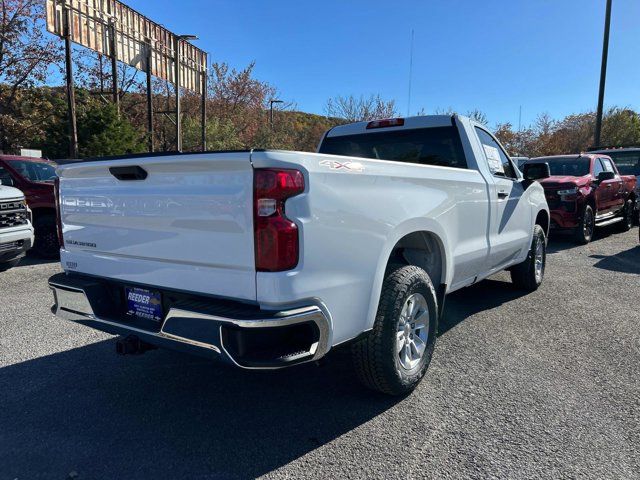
[
  {"x": 271, "y": 102},
  {"x": 204, "y": 104},
  {"x": 176, "y": 62},
  {"x": 71, "y": 96},
  {"x": 114, "y": 63},
  {"x": 149, "y": 95},
  {"x": 603, "y": 74},
  {"x": 520, "y": 119}
]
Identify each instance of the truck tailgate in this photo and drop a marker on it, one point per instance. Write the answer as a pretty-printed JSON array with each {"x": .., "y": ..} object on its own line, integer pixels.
[{"x": 187, "y": 226}]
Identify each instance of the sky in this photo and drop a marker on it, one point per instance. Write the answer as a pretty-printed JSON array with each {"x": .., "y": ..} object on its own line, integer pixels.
[{"x": 493, "y": 55}]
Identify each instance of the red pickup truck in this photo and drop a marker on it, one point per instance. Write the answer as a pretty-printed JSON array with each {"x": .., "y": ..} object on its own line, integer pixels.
[
  {"x": 587, "y": 191},
  {"x": 35, "y": 178}
]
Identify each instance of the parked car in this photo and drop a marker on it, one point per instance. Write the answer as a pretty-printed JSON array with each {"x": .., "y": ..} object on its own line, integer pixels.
[
  {"x": 35, "y": 178},
  {"x": 586, "y": 191},
  {"x": 628, "y": 162},
  {"x": 267, "y": 259},
  {"x": 16, "y": 232}
]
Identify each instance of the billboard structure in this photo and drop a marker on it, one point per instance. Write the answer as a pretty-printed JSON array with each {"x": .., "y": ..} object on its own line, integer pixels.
[{"x": 112, "y": 29}]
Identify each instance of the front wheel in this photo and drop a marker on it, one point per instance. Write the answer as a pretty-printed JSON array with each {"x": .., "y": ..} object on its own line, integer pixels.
[
  {"x": 584, "y": 231},
  {"x": 394, "y": 356},
  {"x": 529, "y": 274}
]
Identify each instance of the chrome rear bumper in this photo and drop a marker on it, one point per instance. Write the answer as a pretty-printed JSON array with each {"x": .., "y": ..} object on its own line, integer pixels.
[{"x": 200, "y": 330}]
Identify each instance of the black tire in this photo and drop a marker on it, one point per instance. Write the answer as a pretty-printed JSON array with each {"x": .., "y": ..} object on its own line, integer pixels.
[
  {"x": 10, "y": 264},
  {"x": 46, "y": 237},
  {"x": 525, "y": 275},
  {"x": 377, "y": 356},
  {"x": 583, "y": 233},
  {"x": 627, "y": 217}
]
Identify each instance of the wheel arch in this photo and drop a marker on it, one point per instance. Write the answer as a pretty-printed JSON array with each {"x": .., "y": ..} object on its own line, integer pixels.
[
  {"x": 542, "y": 219},
  {"x": 424, "y": 246}
]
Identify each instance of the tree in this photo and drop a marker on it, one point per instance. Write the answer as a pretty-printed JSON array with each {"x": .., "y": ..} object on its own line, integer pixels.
[
  {"x": 621, "y": 127},
  {"x": 26, "y": 56},
  {"x": 353, "y": 109},
  {"x": 101, "y": 131}
]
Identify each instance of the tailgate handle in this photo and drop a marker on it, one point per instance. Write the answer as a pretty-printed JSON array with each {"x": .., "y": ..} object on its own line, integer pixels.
[{"x": 133, "y": 172}]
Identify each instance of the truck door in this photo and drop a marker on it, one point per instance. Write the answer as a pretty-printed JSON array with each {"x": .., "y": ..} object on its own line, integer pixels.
[
  {"x": 511, "y": 222},
  {"x": 617, "y": 187},
  {"x": 606, "y": 190}
]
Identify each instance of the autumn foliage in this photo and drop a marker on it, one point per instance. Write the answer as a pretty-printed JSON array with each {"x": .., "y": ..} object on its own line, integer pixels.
[{"x": 33, "y": 111}]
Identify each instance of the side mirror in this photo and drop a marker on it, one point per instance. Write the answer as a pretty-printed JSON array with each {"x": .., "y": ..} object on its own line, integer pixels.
[
  {"x": 602, "y": 176},
  {"x": 536, "y": 171},
  {"x": 6, "y": 181}
]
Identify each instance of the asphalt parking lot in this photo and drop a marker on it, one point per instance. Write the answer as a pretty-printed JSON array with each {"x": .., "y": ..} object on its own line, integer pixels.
[{"x": 545, "y": 385}]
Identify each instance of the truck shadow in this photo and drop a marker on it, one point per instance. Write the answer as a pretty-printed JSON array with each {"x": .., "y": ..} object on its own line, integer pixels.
[
  {"x": 168, "y": 415},
  {"x": 623, "y": 262},
  {"x": 32, "y": 260},
  {"x": 559, "y": 240},
  {"x": 485, "y": 295}
]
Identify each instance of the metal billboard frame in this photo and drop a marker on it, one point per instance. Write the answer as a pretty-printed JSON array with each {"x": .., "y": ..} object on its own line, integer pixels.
[{"x": 111, "y": 28}]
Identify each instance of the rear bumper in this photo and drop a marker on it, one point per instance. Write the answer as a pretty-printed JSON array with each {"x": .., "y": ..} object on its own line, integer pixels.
[{"x": 242, "y": 336}]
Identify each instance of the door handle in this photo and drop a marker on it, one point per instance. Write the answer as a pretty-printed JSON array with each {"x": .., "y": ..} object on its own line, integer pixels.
[{"x": 502, "y": 194}]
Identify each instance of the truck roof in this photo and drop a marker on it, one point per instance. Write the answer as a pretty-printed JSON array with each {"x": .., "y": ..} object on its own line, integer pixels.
[
  {"x": 561, "y": 157},
  {"x": 10, "y": 158},
  {"x": 391, "y": 124}
]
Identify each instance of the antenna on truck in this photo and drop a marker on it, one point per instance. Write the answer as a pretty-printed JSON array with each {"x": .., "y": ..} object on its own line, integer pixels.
[{"x": 410, "y": 75}]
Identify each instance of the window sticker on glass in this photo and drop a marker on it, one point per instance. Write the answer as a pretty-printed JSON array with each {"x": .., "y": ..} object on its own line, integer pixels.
[{"x": 493, "y": 158}]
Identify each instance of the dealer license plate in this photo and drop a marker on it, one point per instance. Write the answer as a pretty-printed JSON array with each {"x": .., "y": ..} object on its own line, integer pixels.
[{"x": 143, "y": 303}]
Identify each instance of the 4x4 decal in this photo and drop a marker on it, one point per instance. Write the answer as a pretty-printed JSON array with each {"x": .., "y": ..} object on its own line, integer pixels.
[{"x": 350, "y": 166}]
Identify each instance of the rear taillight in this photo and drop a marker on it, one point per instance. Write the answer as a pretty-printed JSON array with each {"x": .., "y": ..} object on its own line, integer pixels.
[
  {"x": 58, "y": 208},
  {"x": 275, "y": 236}
]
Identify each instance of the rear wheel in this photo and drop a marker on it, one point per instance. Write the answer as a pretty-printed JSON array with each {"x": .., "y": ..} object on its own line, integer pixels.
[
  {"x": 46, "y": 237},
  {"x": 627, "y": 216},
  {"x": 584, "y": 231},
  {"x": 394, "y": 356},
  {"x": 529, "y": 274}
]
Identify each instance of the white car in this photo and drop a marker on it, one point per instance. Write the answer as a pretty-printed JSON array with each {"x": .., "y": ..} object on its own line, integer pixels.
[
  {"x": 16, "y": 231},
  {"x": 267, "y": 259}
]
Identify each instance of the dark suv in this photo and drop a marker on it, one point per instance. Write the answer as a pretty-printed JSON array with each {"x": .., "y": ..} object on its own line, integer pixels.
[{"x": 35, "y": 178}]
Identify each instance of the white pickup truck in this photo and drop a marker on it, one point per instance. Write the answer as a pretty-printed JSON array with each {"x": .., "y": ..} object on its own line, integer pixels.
[
  {"x": 16, "y": 231},
  {"x": 267, "y": 259}
]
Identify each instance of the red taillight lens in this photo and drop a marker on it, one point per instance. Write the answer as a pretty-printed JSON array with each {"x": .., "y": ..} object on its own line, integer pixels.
[
  {"x": 58, "y": 208},
  {"x": 275, "y": 236}
]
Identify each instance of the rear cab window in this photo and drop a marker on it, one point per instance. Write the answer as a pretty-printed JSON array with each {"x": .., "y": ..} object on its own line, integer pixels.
[{"x": 439, "y": 146}]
